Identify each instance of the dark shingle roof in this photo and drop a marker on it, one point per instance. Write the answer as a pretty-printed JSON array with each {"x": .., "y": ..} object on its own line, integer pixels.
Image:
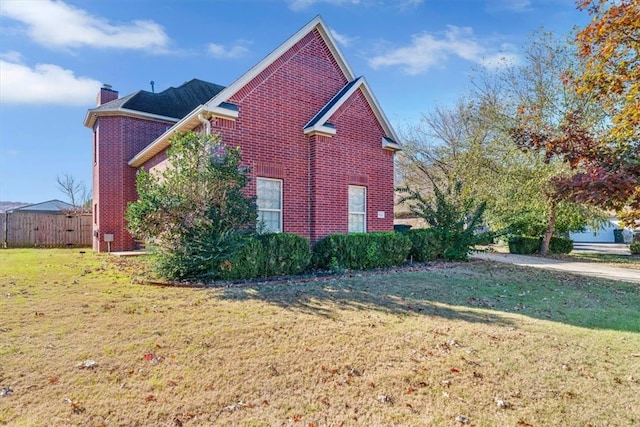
[
  {"x": 173, "y": 102},
  {"x": 337, "y": 98}
]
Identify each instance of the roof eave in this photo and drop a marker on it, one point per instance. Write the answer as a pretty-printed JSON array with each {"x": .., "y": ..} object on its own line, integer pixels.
[
  {"x": 93, "y": 114},
  {"x": 160, "y": 143},
  {"x": 320, "y": 130},
  {"x": 315, "y": 23}
]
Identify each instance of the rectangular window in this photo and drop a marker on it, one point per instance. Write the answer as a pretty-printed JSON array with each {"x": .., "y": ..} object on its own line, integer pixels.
[
  {"x": 357, "y": 209},
  {"x": 269, "y": 200}
]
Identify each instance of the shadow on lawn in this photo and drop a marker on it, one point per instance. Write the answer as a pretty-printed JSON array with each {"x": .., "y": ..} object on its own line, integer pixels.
[{"x": 473, "y": 292}]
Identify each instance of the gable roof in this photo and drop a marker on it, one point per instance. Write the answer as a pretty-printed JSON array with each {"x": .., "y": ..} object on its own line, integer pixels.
[
  {"x": 48, "y": 206},
  {"x": 220, "y": 102},
  {"x": 171, "y": 104},
  {"x": 319, "y": 122}
]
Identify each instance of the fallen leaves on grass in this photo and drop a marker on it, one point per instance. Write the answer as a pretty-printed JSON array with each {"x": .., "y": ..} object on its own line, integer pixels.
[{"x": 76, "y": 407}]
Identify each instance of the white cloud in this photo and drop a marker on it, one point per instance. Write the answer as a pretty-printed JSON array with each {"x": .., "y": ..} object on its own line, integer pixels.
[
  {"x": 303, "y": 4},
  {"x": 518, "y": 6},
  {"x": 55, "y": 24},
  {"x": 409, "y": 4},
  {"x": 427, "y": 51},
  {"x": 341, "y": 38},
  {"x": 240, "y": 48},
  {"x": 43, "y": 84}
]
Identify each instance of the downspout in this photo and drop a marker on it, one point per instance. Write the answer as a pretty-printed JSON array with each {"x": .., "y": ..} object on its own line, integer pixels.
[{"x": 206, "y": 123}]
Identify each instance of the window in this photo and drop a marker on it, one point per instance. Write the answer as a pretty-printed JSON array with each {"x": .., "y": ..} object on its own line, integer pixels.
[
  {"x": 269, "y": 192},
  {"x": 357, "y": 209}
]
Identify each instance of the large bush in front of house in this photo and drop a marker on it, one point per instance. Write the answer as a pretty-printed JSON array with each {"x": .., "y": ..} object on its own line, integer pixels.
[
  {"x": 268, "y": 255},
  {"x": 361, "y": 251},
  {"x": 193, "y": 213},
  {"x": 451, "y": 215},
  {"x": 635, "y": 248}
]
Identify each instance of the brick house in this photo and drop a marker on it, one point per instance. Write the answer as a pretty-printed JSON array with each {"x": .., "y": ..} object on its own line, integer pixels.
[{"x": 318, "y": 145}]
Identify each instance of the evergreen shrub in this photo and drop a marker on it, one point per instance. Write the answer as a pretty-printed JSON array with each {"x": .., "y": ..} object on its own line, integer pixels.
[
  {"x": 425, "y": 245},
  {"x": 524, "y": 245},
  {"x": 268, "y": 255},
  {"x": 361, "y": 251},
  {"x": 560, "y": 245}
]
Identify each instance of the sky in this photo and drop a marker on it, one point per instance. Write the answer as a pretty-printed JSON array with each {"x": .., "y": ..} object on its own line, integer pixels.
[{"x": 56, "y": 54}]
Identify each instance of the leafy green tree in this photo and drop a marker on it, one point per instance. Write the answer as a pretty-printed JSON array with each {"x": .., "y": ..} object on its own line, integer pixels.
[
  {"x": 194, "y": 211},
  {"x": 474, "y": 142},
  {"x": 452, "y": 217}
]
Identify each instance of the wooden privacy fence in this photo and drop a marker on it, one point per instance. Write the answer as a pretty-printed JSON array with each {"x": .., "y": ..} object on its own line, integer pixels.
[{"x": 45, "y": 230}]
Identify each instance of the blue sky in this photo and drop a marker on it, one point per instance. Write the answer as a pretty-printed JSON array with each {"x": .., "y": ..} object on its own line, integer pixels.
[{"x": 55, "y": 55}]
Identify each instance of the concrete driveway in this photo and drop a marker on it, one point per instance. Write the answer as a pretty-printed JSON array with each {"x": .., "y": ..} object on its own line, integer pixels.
[{"x": 581, "y": 268}]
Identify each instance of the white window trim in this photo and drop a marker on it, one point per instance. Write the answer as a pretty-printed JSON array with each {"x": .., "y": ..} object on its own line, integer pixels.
[
  {"x": 281, "y": 200},
  {"x": 363, "y": 213}
]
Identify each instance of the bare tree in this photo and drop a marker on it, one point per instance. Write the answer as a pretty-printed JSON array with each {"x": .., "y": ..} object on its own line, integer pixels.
[{"x": 76, "y": 191}]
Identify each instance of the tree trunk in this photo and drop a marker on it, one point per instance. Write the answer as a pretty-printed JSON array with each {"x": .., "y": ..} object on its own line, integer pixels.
[{"x": 551, "y": 224}]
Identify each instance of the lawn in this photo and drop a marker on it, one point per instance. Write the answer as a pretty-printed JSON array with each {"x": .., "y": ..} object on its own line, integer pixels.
[{"x": 83, "y": 343}]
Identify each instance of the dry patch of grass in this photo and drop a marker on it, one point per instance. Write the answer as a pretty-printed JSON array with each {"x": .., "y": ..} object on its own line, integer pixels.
[
  {"x": 478, "y": 343},
  {"x": 626, "y": 261}
]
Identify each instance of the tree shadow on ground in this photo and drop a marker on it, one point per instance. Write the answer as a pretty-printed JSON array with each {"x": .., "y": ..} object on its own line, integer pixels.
[{"x": 474, "y": 292}]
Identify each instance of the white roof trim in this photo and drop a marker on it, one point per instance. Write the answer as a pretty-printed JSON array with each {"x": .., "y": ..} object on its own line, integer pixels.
[
  {"x": 316, "y": 23},
  {"x": 321, "y": 129},
  {"x": 223, "y": 96},
  {"x": 162, "y": 141},
  {"x": 390, "y": 145},
  {"x": 366, "y": 90},
  {"x": 92, "y": 115},
  {"x": 224, "y": 113}
]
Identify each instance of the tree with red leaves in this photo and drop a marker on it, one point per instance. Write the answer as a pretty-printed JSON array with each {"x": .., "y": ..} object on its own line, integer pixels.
[{"x": 604, "y": 175}]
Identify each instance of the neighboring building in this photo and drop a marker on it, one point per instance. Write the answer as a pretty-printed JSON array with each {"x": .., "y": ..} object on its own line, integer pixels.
[
  {"x": 51, "y": 206},
  {"x": 319, "y": 147},
  {"x": 606, "y": 233}
]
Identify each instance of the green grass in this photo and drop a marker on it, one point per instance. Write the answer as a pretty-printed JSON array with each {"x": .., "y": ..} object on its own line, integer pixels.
[
  {"x": 627, "y": 261},
  {"x": 408, "y": 348}
]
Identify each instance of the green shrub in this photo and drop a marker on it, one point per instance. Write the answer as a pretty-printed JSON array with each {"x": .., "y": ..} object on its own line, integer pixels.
[
  {"x": 635, "y": 248},
  {"x": 361, "y": 251},
  {"x": 484, "y": 238},
  {"x": 425, "y": 245},
  {"x": 246, "y": 263},
  {"x": 560, "y": 245},
  {"x": 285, "y": 254},
  {"x": 524, "y": 245},
  {"x": 267, "y": 255},
  {"x": 450, "y": 213}
]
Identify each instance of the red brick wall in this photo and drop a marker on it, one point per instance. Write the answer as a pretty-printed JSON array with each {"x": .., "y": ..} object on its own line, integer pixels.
[
  {"x": 273, "y": 109},
  {"x": 118, "y": 139}
]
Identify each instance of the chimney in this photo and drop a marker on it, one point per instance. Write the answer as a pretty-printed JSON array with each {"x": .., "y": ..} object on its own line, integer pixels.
[{"x": 106, "y": 94}]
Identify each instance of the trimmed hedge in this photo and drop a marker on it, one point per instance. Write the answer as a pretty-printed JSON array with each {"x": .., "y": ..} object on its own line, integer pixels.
[
  {"x": 361, "y": 251},
  {"x": 268, "y": 255},
  {"x": 560, "y": 245},
  {"x": 424, "y": 245},
  {"x": 524, "y": 245},
  {"x": 530, "y": 245},
  {"x": 635, "y": 248},
  {"x": 286, "y": 254}
]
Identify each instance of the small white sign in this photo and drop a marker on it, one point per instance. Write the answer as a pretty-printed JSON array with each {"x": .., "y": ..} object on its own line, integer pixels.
[{"x": 380, "y": 214}]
